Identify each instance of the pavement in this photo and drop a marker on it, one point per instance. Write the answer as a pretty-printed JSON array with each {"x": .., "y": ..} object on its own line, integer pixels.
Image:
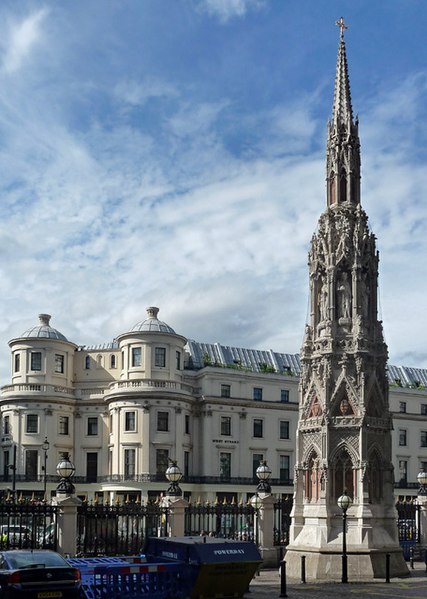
[{"x": 267, "y": 584}]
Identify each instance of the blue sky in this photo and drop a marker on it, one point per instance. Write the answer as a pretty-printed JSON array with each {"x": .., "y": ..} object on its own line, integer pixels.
[{"x": 172, "y": 153}]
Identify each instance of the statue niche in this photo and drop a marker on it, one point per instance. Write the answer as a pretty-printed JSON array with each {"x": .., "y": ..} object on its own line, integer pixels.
[{"x": 343, "y": 296}]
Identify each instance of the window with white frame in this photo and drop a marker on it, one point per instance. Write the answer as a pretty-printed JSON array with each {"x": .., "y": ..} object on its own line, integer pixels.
[
  {"x": 113, "y": 361},
  {"x": 178, "y": 360},
  {"x": 423, "y": 438},
  {"x": 402, "y": 437},
  {"x": 160, "y": 357},
  {"x": 136, "y": 357},
  {"x": 284, "y": 429},
  {"x": 6, "y": 425},
  {"x": 92, "y": 426},
  {"x": 225, "y": 465},
  {"x": 257, "y": 393},
  {"x": 64, "y": 425},
  {"x": 187, "y": 424},
  {"x": 225, "y": 390},
  {"x": 36, "y": 360},
  {"x": 162, "y": 421},
  {"x": 162, "y": 460},
  {"x": 258, "y": 428},
  {"x": 424, "y": 409},
  {"x": 284, "y": 395},
  {"x": 257, "y": 458},
  {"x": 59, "y": 363},
  {"x": 284, "y": 468},
  {"x": 31, "y": 460},
  {"x": 225, "y": 425},
  {"x": 403, "y": 472},
  {"x": 402, "y": 407},
  {"x": 17, "y": 364},
  {"x": 32, "y": 424},
  {"x": 130, "y": 422},
  {"x": 130, "y": 466}
]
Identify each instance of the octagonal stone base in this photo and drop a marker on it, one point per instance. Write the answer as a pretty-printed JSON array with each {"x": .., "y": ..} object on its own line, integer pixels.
[{"x": 364, "y": 565}]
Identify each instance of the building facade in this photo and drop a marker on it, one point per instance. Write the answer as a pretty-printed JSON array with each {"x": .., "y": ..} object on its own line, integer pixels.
[{"x": 123, "y": 408}]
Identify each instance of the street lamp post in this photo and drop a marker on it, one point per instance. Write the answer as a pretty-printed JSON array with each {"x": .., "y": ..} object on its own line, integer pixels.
[
  {"x": 263, "y": 473},
  {"x": 65, "y": 470},
  {"x": 174, "y": 475},
  {"x": 45, "y": 448},
  {"x": 344, "y": 502},
  {"x": 256, "y": 503},
  {"x": 422, "y": 480}
]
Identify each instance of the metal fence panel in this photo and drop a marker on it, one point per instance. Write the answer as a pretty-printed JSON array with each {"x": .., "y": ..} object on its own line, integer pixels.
[
  {"x": 118, "y": 529},
  {"x": 28, "y": 524},
  {"x": 224, "y": 520}
]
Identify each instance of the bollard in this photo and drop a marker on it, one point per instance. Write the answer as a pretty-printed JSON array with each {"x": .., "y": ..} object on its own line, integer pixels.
[
  {"x": 411, "y": 557},
  {"x": 303, "y": 569},
  {"x": 387, "y": 567},
  {"x": 283, "y": 579}
]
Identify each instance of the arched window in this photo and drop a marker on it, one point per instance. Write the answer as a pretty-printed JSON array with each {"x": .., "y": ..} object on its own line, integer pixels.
[
  {"x": 113, "y": 361},
  {"x": 343, "y": 187},
  {"x": 313, "y": 477},
  {"x": 343, "y": 475},
  {"x": 87, "y": 362},
  {"x": 99, "y": 361},
  {"x": 375, "y": 478}
]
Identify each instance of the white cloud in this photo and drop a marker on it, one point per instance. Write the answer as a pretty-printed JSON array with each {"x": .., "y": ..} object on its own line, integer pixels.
[
  {"x": 225, "y": 10},
  {"x": 21, "y": 38}
]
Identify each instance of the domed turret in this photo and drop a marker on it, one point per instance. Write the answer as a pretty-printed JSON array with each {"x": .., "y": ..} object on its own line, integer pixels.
[
  {"x": 43, "y": 330},
  {"x": 152, "y": 324}
]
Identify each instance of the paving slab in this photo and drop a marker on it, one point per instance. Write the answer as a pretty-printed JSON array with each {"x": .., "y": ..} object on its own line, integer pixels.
[{"x": 267, "y": 584}]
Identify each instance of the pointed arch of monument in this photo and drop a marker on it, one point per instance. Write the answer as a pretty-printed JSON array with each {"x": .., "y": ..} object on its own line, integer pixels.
[
  {"x": 375, "y": 473},
  {"x": 344, "y": 398},
  {"x": 313, "y": 474},
  {"x": 343, "y": 463}
]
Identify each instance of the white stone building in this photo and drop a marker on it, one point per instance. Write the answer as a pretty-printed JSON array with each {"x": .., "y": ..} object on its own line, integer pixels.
[{"x": 123, "y": 408}]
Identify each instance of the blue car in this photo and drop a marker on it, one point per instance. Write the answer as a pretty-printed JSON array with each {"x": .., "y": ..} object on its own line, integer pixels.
[{"x": 37, "y": 574}]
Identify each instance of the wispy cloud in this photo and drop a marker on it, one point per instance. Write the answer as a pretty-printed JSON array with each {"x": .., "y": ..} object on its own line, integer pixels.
[
  {"x": 20, "y": 39},
  {"x": 225, "y": 10}
]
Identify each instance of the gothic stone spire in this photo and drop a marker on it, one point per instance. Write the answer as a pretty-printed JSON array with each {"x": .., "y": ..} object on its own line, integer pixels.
[{"x": 343, "y": 146}]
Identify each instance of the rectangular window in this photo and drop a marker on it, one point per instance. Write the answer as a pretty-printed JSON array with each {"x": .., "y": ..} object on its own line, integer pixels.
[
  {"x": 284, "y": 395},
  {"x": 162, "y": 461},
  {"x": 178, "y": 360},
  {"x": 92, "y": 426},
  {"x": 402, "y": 437},
  {"x": 225, "y": 390},
  {"x": 423, "y": 467},
  {"x": 424, "y": 409},
  {"x": 91, "y": 467},
  {"x": 284, "y": 468},
  {"x": 402, "y": 407},
  {"x": 17, "y": 366},
  {"x": 187, "y": 424},
  {"x": 186, "y": 463},
  {"x": 258, "y": 427},
  {"x": 257, "y": 393},
  {"x": 284, "y": 429},
  {"x": 136, "y": 356},
  {"x": 225, "y": 425},
  {"x": 403, "y": 472},
  {"x": 225, "y": 465},
  {"x": 36, "y": 360},
  {"x": 31, "y": 459},
  {"x": 160, "y": 357},
  {"x": 63, "y": 425},
  {"x": 130, "y": 422},
  {"x": 32, "y": 424},
  {"x": 163, "y": 421},
  {"x": 6, "y": 469},
  {"x": 59, "y": 363},
  {"x": 423, "y": 438},
  {"x": 130, "y": 456},
  {"x": 6, "y": 425},
  {"x": 257, "y": 458}
]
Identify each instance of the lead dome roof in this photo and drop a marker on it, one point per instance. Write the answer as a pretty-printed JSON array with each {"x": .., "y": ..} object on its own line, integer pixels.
[
  {"x": 152, "y": 324},
  {"x": 43, "y": 330}
]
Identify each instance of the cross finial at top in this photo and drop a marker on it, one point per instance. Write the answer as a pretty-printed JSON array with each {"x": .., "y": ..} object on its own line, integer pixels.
[{"x": 341, "y": 25}]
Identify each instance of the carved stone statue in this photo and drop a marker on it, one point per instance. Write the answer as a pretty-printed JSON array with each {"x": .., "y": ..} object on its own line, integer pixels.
[{"x": 344, "y": 296}]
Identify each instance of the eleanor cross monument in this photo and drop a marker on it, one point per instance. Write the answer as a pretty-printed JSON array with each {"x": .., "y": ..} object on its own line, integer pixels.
[{"x": 344, "y": 427}]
